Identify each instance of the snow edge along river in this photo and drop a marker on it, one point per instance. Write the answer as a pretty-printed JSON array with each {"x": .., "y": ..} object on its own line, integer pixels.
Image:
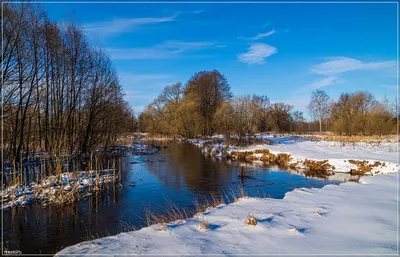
[{"x": 350, "y": 218}]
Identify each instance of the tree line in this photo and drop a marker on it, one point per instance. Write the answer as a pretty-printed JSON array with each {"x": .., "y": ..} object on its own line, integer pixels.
[
  {"x": 358, "y": 113},
  {"x": 205, "y": 105},
  {"x": 60, "y": 94}
]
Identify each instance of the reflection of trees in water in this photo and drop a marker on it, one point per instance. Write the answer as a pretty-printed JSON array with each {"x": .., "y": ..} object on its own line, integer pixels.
[
  {"x": 36, "y": 171},
  {"x": 185, "y": 163}
]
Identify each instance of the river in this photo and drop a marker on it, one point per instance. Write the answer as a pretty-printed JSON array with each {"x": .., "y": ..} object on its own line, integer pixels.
[{"x": 184, "y": 175}]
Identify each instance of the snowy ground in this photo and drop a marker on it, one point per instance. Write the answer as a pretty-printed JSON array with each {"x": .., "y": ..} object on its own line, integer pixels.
[
  {"x": 338, "y": 154},
  {"x": 347, "y": 219},
  {"x": 350, "y": 218}
]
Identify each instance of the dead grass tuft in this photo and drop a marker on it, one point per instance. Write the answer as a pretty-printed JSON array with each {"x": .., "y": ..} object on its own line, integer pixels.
[
  {"x": 250, "y": 220},
  {"x": 283, "y": 159},
  {"x": 364, "y": 167},
  {"x": 204, "y": 225},
  {"x": 317, "y": 168}
]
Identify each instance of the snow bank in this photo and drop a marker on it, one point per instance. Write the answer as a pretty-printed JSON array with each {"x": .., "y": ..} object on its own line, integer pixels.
[
  {"x": 349, "y": 218},
  {"x": 337, "y": 154}
]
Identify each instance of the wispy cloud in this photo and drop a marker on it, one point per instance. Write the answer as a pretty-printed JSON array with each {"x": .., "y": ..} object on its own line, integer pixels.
[
  {"x": 337, "y": 65},
  {"x": 323, "y": 82},
  {"x": 257, "y": 53},
  {"x": 320, "y": 83},
  {"x": 123, "y": 25},
  {"x": 166, "y": 50},
  {"x": 259, "y": 36}
]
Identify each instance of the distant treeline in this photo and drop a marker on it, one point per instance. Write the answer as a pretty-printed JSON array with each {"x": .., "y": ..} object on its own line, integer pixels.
[
  {"x": 205, "y": 105},
  {"x": 60, "y": 93}
]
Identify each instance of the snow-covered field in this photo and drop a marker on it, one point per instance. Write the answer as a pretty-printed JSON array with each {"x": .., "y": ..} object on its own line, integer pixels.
[
  {"x": 350, "y": 218},
  {"x": 347, "y": 219}
]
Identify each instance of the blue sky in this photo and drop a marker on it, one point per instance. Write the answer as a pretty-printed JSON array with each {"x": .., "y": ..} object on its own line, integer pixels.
[{"x": 284, "y": 51}]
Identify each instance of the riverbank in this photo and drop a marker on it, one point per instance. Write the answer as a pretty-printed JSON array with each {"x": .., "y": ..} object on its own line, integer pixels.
[
  {"x": 312, "y": 156},
  {"x": 351, "y": 218}
]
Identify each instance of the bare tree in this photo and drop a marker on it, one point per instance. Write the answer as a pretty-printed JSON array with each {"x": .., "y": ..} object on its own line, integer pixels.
[
  {"x": 318, "y": 106},
  {"x": 208, "y": 89}
]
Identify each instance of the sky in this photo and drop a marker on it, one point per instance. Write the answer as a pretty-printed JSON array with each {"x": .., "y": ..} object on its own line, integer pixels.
[{"x": 284, "y": 51}]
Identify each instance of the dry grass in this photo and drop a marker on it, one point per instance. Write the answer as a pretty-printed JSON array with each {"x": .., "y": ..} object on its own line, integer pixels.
[
  {"x": 173, "y": 212},
  {"x": 204, "y": 225},
  {"x": 354, "y": 139},
  {"x": 283, "y": 159},
  {"x": 293, "y": 165},
  {"x": 263, "y": 151},
  {"x": 250, "y": 220},
  {"x": 240, "y": 155},
  {"x": 317, "y": 168},
  {"x": 164, "y": 227},
  {"x": 364, "y": 167}
]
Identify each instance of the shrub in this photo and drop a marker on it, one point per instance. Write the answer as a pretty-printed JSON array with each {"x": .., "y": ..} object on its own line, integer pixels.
[{"x": 317, "y": 168}]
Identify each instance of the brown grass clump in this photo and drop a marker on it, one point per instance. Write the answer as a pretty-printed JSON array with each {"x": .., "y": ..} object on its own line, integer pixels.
[
  {"x": 265, "y": 157},
  {"x": 240, "y": 155},
  {"x": 250, "y": 220},
  {"x": 164, "y": 227},
  {"x": 293, "y": 165},
  {"x": 204, "y": 225},
  {"x": 263, "y": 151},
  {"x": 364, "y": 167},
  {"x": 317, "y": 168},
  {"x": 283, "y": 159},
  {"x": 252, "y": 158}
]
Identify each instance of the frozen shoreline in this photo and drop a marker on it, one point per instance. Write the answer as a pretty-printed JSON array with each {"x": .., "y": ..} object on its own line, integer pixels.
[
  {"x": 382, "y": 157},
  {"x": 349, "y": 218}
]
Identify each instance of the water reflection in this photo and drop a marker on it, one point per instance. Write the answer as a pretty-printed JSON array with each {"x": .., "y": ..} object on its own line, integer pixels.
[{"x": 186, "y": 174}]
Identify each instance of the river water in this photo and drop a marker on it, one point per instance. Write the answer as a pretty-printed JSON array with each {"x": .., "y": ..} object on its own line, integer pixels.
[{"x": 185, "y": 175}]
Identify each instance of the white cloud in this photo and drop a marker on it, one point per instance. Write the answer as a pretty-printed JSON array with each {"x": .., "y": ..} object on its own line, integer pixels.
[
  {"x": 257, "y": 53},
  {"x": 323, "y": 82},
  {"x": 340, "y": 64},
  {"x": 117, "y": 26},
  {"x": 166, "y": 50},
  {"x": 259, "y": 36}
]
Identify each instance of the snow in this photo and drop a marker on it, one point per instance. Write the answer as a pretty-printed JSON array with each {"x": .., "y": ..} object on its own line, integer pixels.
[
  {"x": 349, "y": 218},
  {"x": 337, "y": 154}
]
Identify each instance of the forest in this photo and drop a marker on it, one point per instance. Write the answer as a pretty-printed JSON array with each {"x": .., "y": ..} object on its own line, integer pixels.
[
  {"x": 60, "y": 94},
  {"x": 205, "y": 105}
]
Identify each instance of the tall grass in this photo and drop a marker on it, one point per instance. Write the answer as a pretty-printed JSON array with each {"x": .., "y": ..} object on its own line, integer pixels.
[{"x": 201, "y": 204}]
